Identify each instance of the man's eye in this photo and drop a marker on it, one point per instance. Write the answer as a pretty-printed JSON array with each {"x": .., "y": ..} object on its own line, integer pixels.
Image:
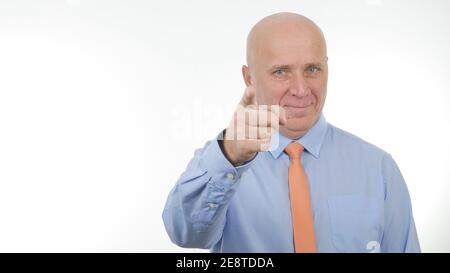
[
  {"x": 312, "y": 69},
  {"x": 279, "y": 72}
]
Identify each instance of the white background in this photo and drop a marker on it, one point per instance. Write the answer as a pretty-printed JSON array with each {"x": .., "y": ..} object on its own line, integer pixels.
[{"x": 102, "y": 104}]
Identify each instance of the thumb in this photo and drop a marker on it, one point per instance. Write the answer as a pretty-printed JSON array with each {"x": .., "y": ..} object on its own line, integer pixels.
[{"x": 249, "y": 96}]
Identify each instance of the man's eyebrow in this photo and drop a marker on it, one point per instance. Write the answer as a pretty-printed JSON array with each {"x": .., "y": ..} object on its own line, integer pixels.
[
  {"x": 279, "y": 66},
  {"x": 318, "y": 64},
  {"x": 289, "y": 66}
]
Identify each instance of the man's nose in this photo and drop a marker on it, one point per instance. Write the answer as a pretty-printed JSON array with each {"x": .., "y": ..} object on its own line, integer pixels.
[{"x": 299, "y": 87}]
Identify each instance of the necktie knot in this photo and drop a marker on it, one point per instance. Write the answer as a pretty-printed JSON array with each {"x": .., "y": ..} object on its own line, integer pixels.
[{"x": 294, "y": 150}]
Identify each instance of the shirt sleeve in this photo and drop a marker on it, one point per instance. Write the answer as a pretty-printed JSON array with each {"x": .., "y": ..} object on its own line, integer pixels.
[
  {"x": 400, "y": 233},
  {"x": 195, "y": 212}
]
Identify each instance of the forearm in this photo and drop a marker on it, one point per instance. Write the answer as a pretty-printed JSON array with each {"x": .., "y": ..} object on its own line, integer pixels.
[{"x": 195, "y": 211}]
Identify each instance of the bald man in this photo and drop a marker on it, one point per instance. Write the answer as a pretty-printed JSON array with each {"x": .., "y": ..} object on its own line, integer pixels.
[{"x": 280, "y": 178}]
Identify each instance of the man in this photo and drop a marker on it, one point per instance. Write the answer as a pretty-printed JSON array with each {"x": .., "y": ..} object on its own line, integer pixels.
[{"x": 299, "y": 184}]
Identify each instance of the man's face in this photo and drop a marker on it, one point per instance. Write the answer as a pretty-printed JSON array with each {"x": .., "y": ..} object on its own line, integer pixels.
[{"x": 289, "y": 68}]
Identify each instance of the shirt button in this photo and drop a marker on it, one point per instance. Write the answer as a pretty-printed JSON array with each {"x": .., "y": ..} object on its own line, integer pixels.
[
  {"x": 212, "y": 205},
  {"x": 230, "y": 176}
]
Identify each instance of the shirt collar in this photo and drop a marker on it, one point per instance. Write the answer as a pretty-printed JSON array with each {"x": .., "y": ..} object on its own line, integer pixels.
[{"x": 312, "y": 140}]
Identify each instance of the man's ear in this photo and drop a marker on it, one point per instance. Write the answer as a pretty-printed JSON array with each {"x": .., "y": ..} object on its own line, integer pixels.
[{"x": 246, "y": 75}]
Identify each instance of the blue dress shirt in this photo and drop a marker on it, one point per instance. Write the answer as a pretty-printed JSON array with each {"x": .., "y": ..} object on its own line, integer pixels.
[{"x": 359, "y": 199}]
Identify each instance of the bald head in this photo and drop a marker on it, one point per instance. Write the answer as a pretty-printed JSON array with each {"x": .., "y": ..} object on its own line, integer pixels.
[{"x": 281, "y": 26}]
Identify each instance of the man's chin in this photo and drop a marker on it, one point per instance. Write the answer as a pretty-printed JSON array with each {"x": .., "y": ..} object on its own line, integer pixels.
[
  {"x": 300, "y": 123},
  {"x": 296, "y": 127}
]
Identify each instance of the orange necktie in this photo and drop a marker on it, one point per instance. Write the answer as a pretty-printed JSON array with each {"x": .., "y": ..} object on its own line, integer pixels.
[{"x": 302, "y": 219}]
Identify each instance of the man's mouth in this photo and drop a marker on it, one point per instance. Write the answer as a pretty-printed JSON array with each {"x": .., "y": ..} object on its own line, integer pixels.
[
  {"x": 297, "y": 111},
  {"x": 299, "y": 106},
  {"x": 290, "y": 106}
]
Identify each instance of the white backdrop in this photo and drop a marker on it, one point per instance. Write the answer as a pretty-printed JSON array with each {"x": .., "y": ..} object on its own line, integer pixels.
[{"x": 102, "y": 104}]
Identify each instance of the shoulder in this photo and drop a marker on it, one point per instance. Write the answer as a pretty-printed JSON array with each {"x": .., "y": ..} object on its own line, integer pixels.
[
  {"x": 353, "y": 146},
  {"x": 359, "y": 156}
]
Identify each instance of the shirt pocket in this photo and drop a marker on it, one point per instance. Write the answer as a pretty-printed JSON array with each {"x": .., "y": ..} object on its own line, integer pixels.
[{"x": 356, "y": 223}]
